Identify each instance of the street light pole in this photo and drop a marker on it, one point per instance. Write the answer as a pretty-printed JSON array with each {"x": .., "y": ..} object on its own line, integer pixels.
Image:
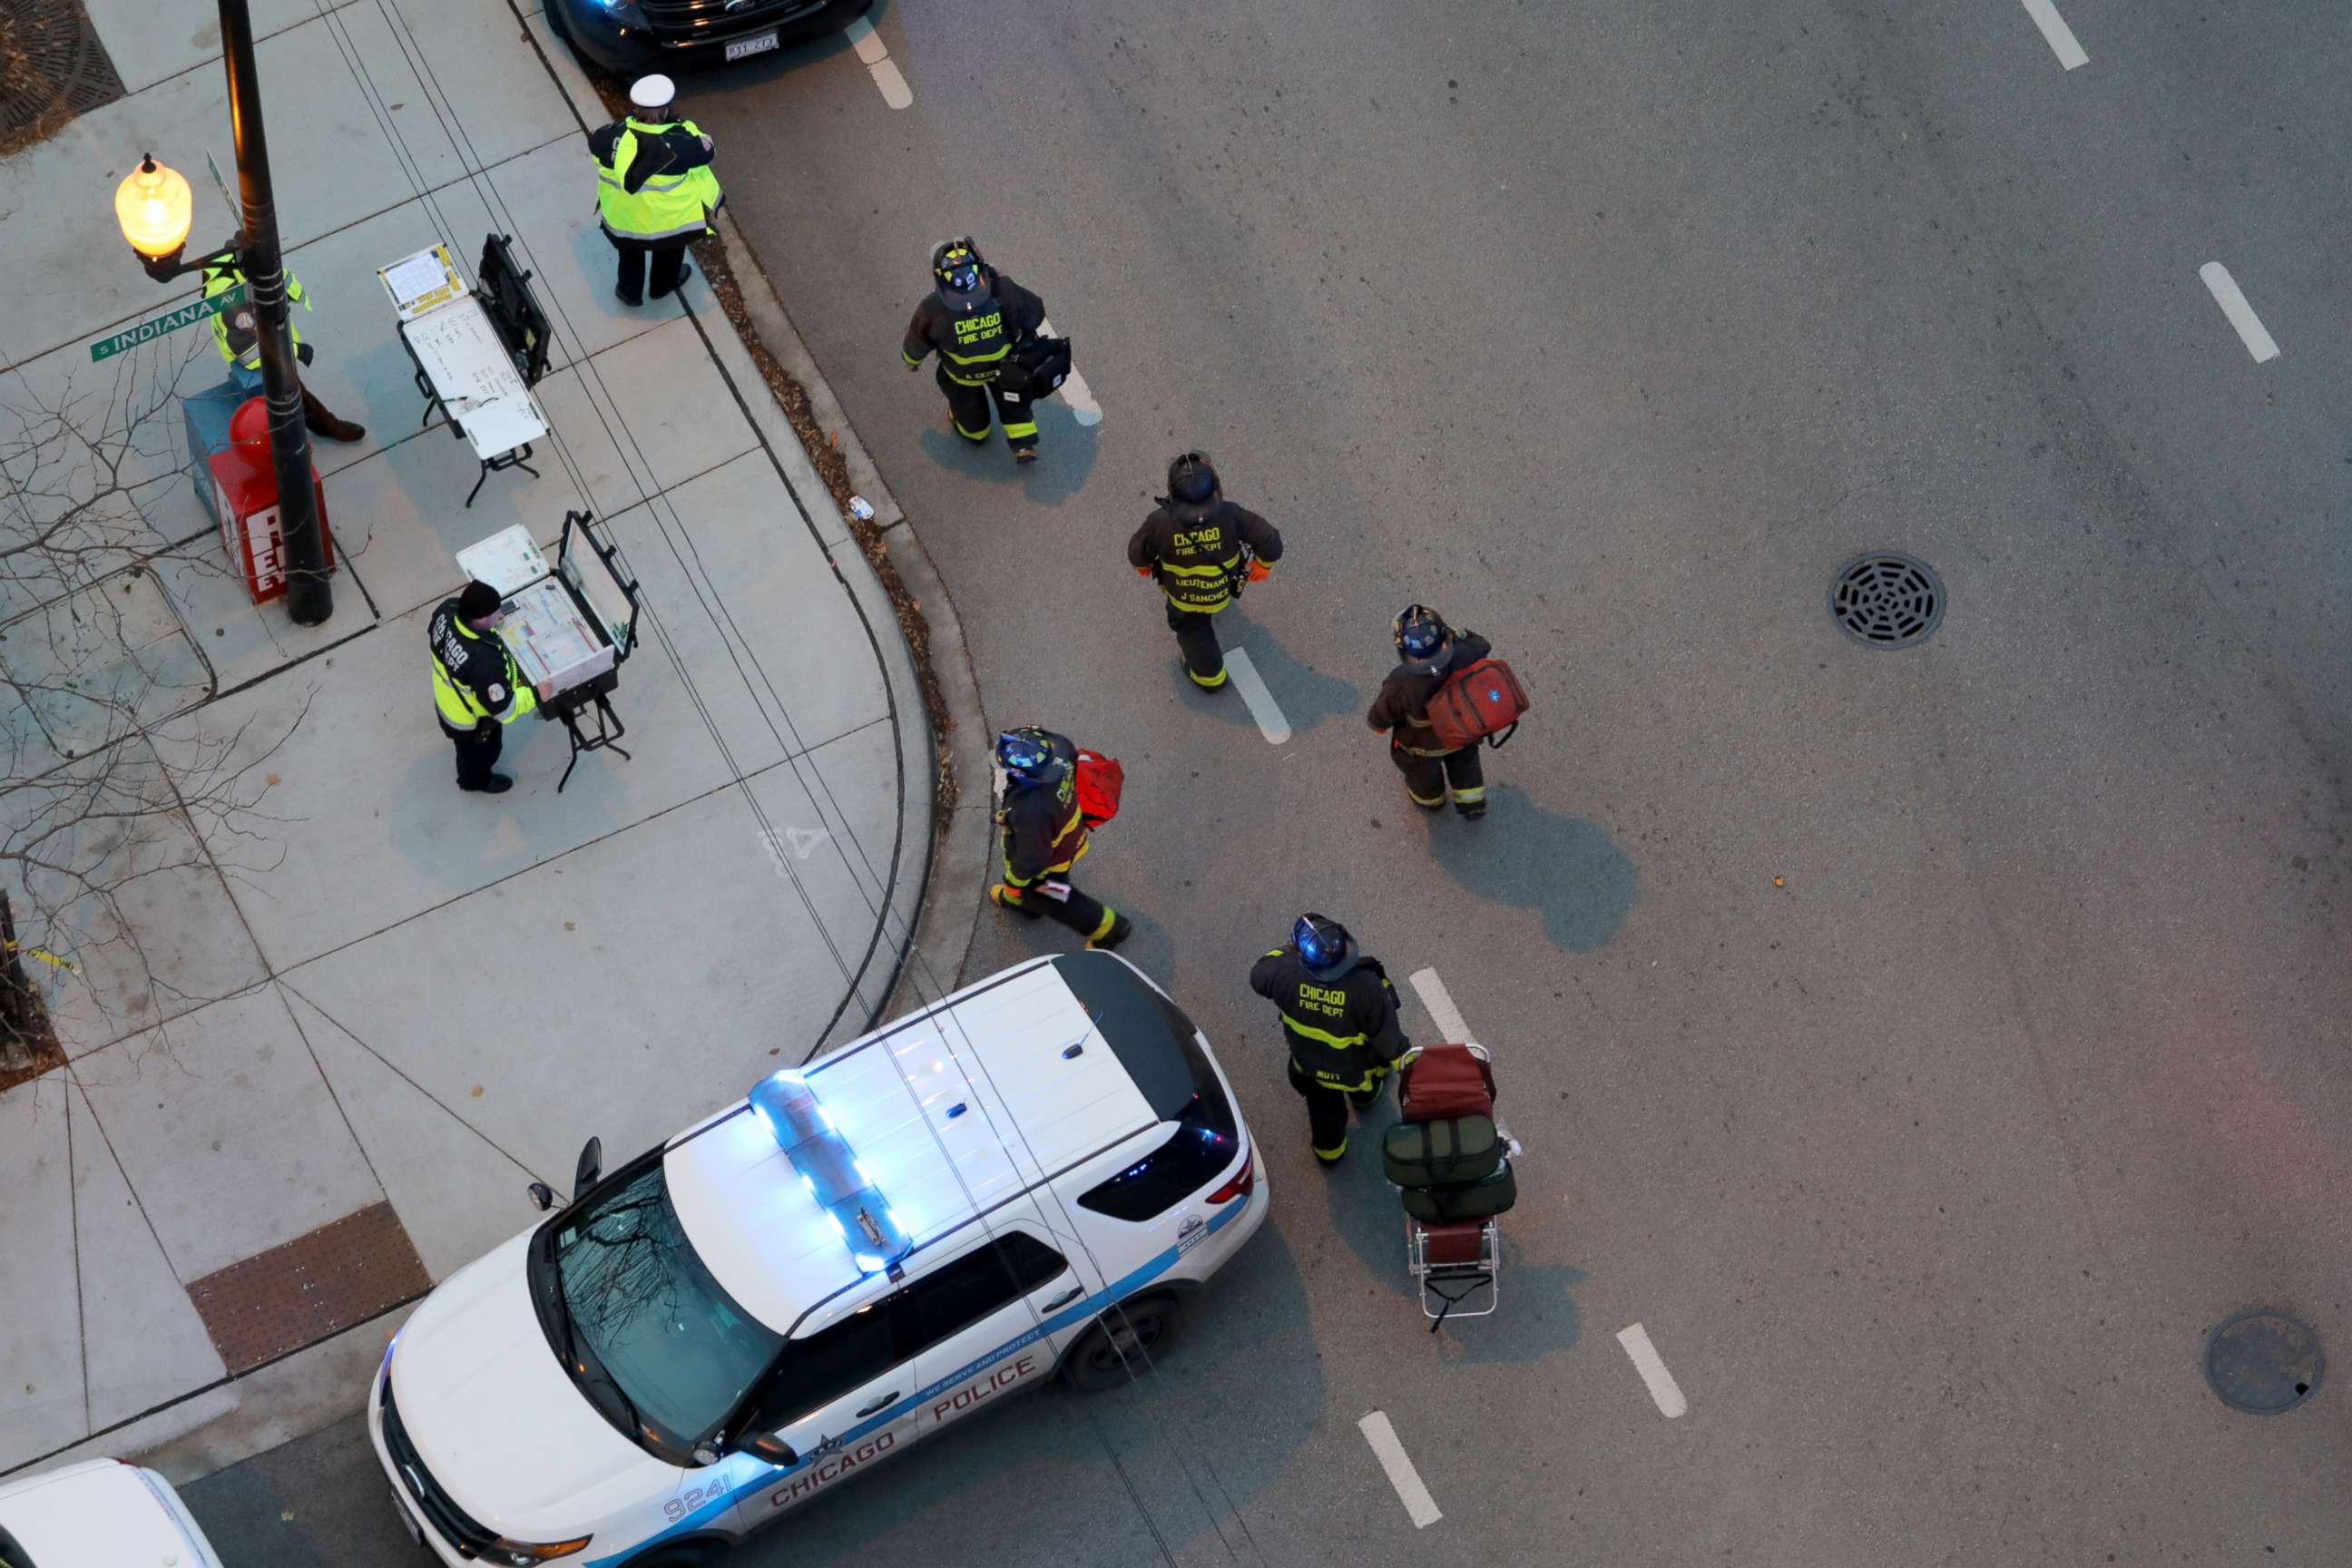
[{"x": 310, "y": 599}]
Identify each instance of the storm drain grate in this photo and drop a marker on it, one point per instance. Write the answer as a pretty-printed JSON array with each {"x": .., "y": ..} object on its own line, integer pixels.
[
  {"x": 2263, "y": 1362},
  {"x": 1886, "y": 599},
  {"x": 52, "y": 68}
]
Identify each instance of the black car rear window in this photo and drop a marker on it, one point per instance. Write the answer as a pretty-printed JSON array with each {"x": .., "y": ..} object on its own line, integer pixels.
[{"x": 1155, "y": 1042}]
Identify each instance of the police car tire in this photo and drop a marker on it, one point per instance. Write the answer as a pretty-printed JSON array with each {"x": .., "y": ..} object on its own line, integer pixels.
[{"x": 1142, "y": 1329}]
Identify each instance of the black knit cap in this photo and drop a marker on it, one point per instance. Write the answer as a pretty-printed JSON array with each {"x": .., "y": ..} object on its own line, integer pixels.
[{"x": 478, "y": 601}]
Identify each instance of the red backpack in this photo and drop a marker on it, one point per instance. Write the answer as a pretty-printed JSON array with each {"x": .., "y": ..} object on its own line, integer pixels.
[
  {"x": 1480, "y": 702},
  {"x": 1100, "y": 778}
]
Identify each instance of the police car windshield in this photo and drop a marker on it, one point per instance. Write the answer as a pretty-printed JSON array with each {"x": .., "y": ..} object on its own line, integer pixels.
[{"x": 650, "y": 1318}]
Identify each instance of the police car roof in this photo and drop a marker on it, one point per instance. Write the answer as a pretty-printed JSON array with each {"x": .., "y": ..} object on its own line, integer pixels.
[{"x": 951, "y": 1111}]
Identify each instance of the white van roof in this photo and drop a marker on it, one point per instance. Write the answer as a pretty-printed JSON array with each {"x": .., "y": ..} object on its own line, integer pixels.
[{"x": 950, "y": 1111}]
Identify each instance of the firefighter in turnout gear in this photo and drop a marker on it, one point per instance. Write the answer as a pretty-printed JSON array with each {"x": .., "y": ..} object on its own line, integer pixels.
[
  {"x": 1202, "y": 549},
  {"x": 238, "y": 335},
  {"x": 475, "y": 685},
  {"x": 1339, "y": 1017},
  {"x": 1045, "y": 834},
  {"x": 975, "y": 318},
  {"x": 656, "y": 191},
  {"x": 1431, "y": 650}
]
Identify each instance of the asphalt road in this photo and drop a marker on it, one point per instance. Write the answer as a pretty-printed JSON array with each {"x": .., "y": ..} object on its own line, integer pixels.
[{"x": 1928, "y": 1048}]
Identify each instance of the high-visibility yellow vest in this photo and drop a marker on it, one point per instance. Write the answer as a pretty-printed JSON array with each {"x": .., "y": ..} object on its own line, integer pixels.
[
  {"x": 461, "y": 709},
  {"x": 232, "y": 329},
  {"x": 666, "y": 206}
]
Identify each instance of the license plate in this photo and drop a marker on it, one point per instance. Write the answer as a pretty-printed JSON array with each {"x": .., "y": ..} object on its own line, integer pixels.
[
  {"x": 741, "y": 47},
  {"x": 407, "y": 1520}
]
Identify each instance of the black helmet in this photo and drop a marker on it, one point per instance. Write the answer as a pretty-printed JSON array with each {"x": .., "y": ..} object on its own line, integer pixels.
[
  {"x": 1420, "y": 631},
  {"x": 956, "y": 264},
  {"x": 1193, "y": 478},
  {"x": 1024, "y": 754},
  {"x": 1323, "y": 944}
]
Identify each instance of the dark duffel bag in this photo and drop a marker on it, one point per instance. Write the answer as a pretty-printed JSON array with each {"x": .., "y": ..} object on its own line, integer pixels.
[
  {"x": 1037, "y": 369},
  {"x": 1452, "y": 1150},
  {"x": 1479, "y": 1200}
]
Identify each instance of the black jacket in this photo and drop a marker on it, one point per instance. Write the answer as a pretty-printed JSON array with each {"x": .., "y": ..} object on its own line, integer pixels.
[
  {"x": 1042, "y": 833},
  {"x": 478, "y": 668},
  {"x": 1343, "y": 1033},
  {"x": 973, "y": 342},
  {"x": 1403, "y": 705},
  {"x": 1196, "y": 550}
]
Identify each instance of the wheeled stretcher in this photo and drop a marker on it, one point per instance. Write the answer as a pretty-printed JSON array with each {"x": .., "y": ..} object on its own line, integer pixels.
[{"x": 1451, "y": 1164}]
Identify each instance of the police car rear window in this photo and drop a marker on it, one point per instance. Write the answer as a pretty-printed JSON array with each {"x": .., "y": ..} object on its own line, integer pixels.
[{"x": 1152, "y": 1040}]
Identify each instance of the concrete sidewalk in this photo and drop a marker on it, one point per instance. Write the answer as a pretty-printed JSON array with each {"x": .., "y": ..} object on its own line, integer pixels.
[{"x": 328, "y": 1040}]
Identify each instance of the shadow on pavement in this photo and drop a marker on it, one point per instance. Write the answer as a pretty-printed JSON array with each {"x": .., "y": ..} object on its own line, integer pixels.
[
  {"x": 1305, "y": 694},
  {"x": 1066, "y": 455},
  {"x": 1566, "y": 868}
]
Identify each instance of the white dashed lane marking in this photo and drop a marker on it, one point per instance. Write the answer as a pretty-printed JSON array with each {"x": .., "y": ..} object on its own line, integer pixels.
[
  {"x": 1418, "y": 1503},
  {"x": 1661, "y": 1383},
  {"x": 2233, "y": 300},
  {"x": 875, "y": 56},
  {"x": 2060, "y": 36},
  {"x": 1081, "y": 399},
  {"x": 1441, "y": 1010},
  {"x": 1252, "y": 686}
]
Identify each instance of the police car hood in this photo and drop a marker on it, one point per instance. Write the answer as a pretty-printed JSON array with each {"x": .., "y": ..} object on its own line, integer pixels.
[{"x": 497, "y": 1424}]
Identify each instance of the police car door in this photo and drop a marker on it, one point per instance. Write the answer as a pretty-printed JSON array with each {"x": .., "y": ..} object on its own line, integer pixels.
[
  {"x": 842, "y": 1398},
  {"x": 995, "y": 1317}
]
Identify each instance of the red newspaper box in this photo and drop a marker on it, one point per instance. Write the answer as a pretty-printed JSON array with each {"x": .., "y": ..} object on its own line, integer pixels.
[{"x": 245, "y": 498}]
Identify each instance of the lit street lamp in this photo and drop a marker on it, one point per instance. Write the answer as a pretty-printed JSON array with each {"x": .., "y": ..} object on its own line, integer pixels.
[{"x": 154, "y": 209}]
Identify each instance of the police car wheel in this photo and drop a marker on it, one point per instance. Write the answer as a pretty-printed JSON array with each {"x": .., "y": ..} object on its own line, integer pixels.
[{"x": 1124, "y": 1344}]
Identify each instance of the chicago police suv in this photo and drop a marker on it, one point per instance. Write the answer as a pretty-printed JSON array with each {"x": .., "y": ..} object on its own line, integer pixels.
[{"x": 1032, "y": 1175}]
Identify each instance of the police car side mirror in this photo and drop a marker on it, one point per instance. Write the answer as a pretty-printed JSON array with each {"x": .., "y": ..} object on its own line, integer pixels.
[
  {"x": 542, "y": 1195},
  {"x": 590, "y": 1166},
  {"x": 773, "y": 1449}
]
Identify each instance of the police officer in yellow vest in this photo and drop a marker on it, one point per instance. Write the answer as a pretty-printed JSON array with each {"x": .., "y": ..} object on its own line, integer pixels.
[
  {"x": 475, "y": 685},
  {"x": 1339, "y": 1018},
  {"x": 238, "y": 335},
  {"x": 656, "y": 191},
  {"x": 975, "y": 318}
]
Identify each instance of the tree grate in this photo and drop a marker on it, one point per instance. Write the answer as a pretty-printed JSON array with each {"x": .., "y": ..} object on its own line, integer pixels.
[
  {"x": 1885, "y": 599},
  {"x": 52, "y": 69}
]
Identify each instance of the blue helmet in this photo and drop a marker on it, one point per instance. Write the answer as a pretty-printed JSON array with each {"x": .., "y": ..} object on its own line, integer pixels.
[
  {"x": 1023, "y": 754},
  {"x": 1419, "y": 630},
  {"x": 1323, "y": 943},
  {"x": 956, "y": 264}
]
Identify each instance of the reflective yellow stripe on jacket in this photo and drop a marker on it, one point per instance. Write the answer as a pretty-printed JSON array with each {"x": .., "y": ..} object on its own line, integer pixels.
[
  {"x": 461, "y": 709},
  {"x": 666, "y": 206},
  {"x": 1217, "y": 575}
]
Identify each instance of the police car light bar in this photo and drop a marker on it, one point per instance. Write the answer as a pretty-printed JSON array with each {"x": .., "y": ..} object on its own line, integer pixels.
[{"x": 815, "y": 1148}]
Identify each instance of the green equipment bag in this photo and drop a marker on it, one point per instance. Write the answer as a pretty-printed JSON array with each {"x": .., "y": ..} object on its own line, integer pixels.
[
  {"x": 1479, "y": 1200},
  {"x": 1449, "y": 1151}
]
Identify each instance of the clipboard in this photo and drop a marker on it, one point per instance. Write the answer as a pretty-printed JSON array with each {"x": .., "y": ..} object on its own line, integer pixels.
[{"x": 418, "y": 283}]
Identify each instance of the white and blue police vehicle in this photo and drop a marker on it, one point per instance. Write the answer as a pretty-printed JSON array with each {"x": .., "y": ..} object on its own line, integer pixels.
[{"x": 1032, "y": 1175}]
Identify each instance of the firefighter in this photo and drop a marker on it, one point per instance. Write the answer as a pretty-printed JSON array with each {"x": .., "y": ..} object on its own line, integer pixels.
[
  {"x": 237, "y": 332},
  {"x": 1431, "y": 650},
  {"x": 1339, "y": 1017},
  {"x": 1045, "y": 834},
  {"x": 655, "y": 190},
  {"x": 474, "y": 684},
  {"x": 975, "y": 318},
  {"x": 1202, "y": 549}
]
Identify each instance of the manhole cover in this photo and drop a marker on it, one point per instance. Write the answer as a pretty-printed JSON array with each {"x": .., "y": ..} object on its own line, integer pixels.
[
  {"x": 52, "y": 68},
  {"x": 2263, "y": 1362},
  {"x": 1886, "y": 599}
]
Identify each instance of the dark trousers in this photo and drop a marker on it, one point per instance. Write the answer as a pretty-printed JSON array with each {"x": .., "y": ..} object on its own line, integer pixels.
[
  {"x": 1426, "y": 778},
  {"x": 1088, "y": 917},
  {"x": 968, "y": 405},
  {"x": 669, "y": 256},
  {"x": 1327, "y": 1111},
  {"x": 478, "y": 752},
  {"x": 1196, "y": 635}
]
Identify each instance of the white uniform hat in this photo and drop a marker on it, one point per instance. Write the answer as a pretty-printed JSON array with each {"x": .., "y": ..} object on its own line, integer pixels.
[{"x": 652, "y": 91}]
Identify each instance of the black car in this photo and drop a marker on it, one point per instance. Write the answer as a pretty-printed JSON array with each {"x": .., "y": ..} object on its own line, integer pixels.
[{"x": 632, "y": 38}]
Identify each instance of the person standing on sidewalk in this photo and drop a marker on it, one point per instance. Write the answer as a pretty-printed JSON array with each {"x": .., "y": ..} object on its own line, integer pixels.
[
  {"x": 476, "y": 687},
  {"x": 1339, "y": 1018},
  {"x": 1430, "y": 652},
  {"x": 656, "y": 191},
  {"x": 237, "y": 332},
  {"x": 1045, "y": 834},
  {"x": 975, "y": 318},
  {"x": 1201, "y": 548}
]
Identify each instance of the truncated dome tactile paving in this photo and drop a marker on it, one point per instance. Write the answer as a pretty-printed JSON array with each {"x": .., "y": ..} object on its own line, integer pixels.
[{"x": 274, "y": 1303}]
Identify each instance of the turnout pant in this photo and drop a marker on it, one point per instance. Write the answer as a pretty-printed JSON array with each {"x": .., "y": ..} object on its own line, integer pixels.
[
  {"x": 1427, "y": 778},
  {"x": 1327, "y": 1111},
  {"x": 968, "y": 406},
  {"x": 669, "y": 258},
  {"x": 1196, "y": 635},
  {"x": 1090, "y": 918},
  {"x": 478, "y": 752}
]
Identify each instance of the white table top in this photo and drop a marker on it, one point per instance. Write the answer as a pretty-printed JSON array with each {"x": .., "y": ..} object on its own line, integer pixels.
[{"x": 475, "y": 377}]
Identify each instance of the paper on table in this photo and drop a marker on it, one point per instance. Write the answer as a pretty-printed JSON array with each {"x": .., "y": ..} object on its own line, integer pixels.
[
  {"x": 549, "y": 637},
  {"x": 475, "y": 377},
  {"x": 507, "y": 560},
  {"x": 417, "y": 283}
]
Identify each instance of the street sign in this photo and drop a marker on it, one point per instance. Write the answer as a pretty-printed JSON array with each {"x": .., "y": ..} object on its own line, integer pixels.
[
  {"x": 170, "y": 322},
  {"x": 236, "y": 212}
]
